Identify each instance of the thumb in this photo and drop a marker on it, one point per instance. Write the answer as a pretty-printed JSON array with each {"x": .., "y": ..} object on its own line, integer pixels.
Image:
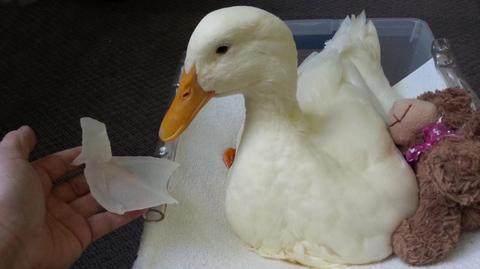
[{"x": 18, "y": 143}]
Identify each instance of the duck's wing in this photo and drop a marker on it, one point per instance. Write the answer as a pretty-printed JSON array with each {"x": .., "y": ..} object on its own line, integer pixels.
[
  {"x": 342, "y": 110},
  {"x": 321, "y": 77},
  {"x": 357, "y": 41}
]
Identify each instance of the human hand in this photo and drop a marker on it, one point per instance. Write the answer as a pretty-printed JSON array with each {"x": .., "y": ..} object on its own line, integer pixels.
[{"x": 42, "y": 226}]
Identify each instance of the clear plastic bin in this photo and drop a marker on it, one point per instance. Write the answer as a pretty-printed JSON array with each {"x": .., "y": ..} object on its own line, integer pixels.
[
  {"x": 405, "y": 45},
  {"x": 405, "y": 42}
]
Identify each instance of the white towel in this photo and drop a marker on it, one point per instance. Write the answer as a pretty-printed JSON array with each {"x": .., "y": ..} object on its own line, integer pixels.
[
  {"x": 425, "y": 78},
  {"x": 195, "y": 232}
]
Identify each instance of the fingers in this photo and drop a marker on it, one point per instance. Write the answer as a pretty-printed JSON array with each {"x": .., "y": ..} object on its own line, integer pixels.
[
  {"x": 71, "y": 220},
  {"x": 58, "y": 164},
  {"x": 72, "y": 189},
  {"x": 104, "y": 223},
  {"x": 86, "y": 205},
  {"x": 18, "y": 143}
]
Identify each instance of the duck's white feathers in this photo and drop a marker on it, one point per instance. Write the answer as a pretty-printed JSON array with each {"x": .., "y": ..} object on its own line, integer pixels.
[
  {"x": 317, "y": 178},
  {"x": 333, "y": 193},
  {"x": 357, "y": 40}
]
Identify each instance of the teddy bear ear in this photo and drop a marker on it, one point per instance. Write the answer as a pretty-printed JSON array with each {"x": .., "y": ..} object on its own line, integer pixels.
[
  {"x": 455, "y": 104},
  {"x": 407, "y": 117}
]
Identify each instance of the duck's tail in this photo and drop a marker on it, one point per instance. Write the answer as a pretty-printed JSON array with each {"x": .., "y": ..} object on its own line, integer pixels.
[
  {"x": 357, "y": 41},
  {"x": 355, "y": 33}
]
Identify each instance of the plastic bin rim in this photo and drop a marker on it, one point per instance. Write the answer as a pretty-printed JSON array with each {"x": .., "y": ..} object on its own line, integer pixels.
[
  {"x": 373, "y": 19},
  {"x": 410, "y": 19}
]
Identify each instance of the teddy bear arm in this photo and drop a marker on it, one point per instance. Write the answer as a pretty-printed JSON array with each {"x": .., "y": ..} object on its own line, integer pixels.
[
  {"x": 432, "y": 232},
  {"x": 454, "y": 167},
  {"x": 471, "y": 218}
]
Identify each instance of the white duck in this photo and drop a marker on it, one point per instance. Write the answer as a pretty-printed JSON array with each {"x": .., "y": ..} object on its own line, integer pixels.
[{"x": 316, "y": 180}]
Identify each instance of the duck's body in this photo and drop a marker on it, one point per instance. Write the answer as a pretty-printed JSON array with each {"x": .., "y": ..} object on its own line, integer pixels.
[
  {"x": 318, "y": 188},
  {"x": 316, "y": 178}
]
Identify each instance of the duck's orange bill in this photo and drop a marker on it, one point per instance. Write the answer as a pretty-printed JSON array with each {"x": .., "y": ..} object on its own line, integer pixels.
[{"x": 188, "y": 101}]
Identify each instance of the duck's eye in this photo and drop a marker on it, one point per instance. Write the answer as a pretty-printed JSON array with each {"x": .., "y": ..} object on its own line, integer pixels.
[{"x": 222, "y": 50}]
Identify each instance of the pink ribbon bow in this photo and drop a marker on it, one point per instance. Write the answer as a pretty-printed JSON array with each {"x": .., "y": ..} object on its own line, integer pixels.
[{"x": 432, "y": 133}]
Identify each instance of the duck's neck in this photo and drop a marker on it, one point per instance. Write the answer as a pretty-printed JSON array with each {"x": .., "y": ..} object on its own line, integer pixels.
[{"x": 272, "y": 103}]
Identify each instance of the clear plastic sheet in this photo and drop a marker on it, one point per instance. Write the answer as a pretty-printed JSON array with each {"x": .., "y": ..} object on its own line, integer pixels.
[{"x": 122, "y": 184}]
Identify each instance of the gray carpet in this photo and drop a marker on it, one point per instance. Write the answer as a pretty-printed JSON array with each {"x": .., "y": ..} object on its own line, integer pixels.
[{"x": 116, "y": 60}]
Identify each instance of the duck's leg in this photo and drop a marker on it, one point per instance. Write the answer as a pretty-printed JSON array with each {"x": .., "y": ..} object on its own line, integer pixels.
[{"x": 228, "y": 157}]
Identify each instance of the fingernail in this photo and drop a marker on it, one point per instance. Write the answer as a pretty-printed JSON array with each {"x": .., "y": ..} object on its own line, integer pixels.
[{"x": 23, "y": 127}]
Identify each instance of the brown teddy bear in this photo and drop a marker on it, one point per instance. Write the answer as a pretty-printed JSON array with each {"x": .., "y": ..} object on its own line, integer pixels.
[{"x": 445, "y": 155}]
